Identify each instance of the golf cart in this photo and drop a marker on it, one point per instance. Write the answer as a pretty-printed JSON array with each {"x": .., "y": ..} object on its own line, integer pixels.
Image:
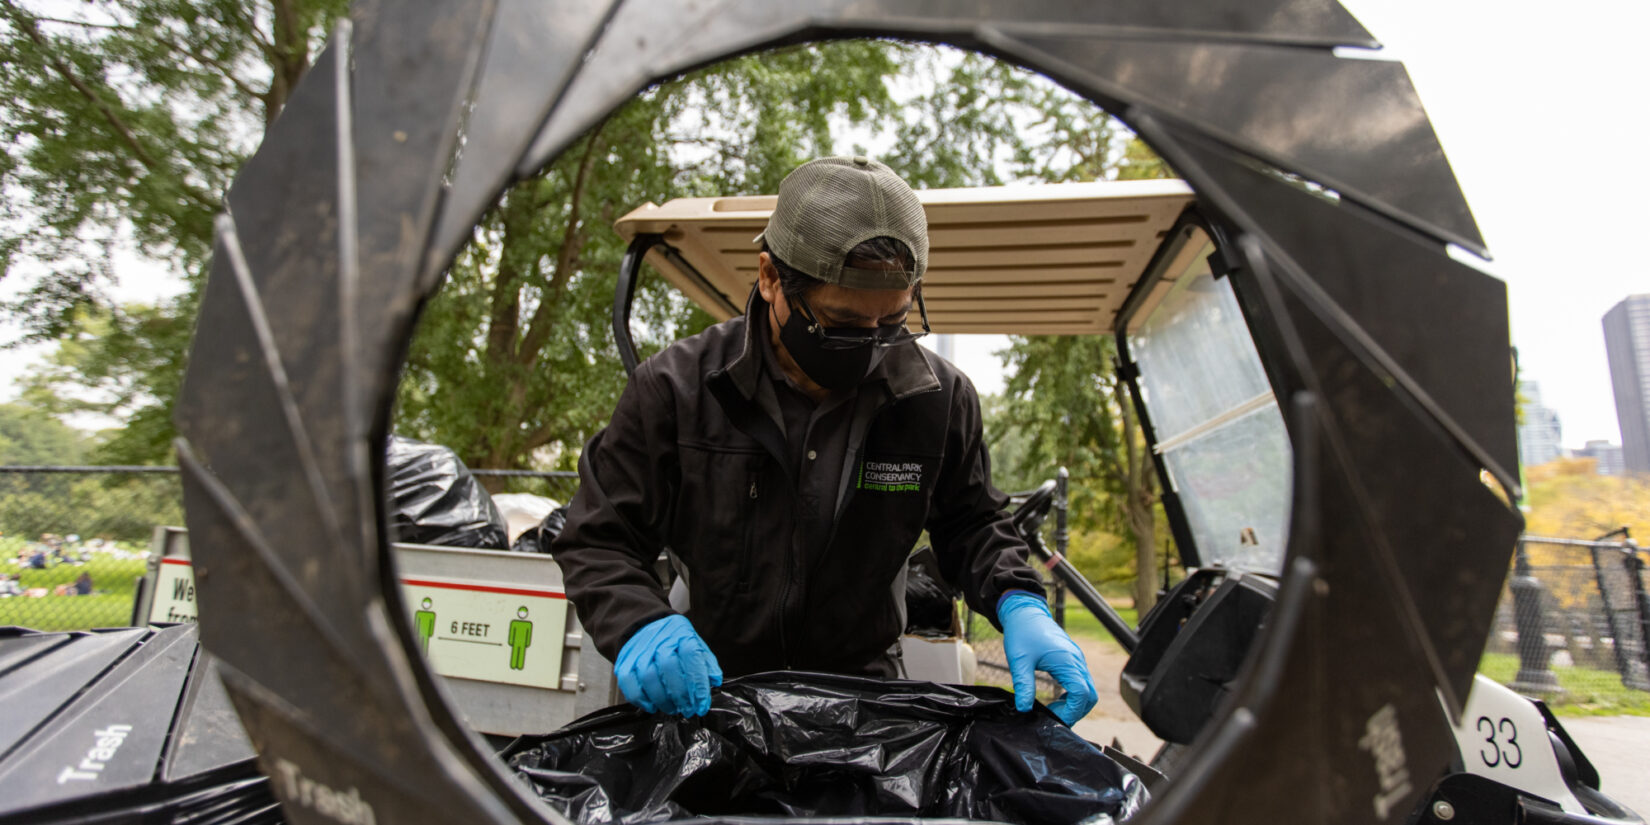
[
  {"x": 1330, "y": 207},
  {"x": 1139, "y": 260}
]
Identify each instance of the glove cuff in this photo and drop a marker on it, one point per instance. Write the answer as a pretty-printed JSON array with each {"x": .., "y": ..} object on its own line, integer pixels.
[{"x": 1016, "y": 600}]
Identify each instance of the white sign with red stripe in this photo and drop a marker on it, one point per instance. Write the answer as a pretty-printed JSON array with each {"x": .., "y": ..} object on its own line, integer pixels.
[
  {"x": 468, "y": 629},
  {"x": 174, "y": 592},
  {"x": 479, "y": 630}
]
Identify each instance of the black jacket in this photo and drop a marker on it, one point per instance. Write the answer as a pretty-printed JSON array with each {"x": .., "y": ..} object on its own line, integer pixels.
[{"x": 691, "y": 463}]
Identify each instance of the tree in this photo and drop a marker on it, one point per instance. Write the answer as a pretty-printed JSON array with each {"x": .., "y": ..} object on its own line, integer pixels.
[
  {"x": 1569, "y": 499},
  {"x": 124, "y": 125},
  {"x": 123, "y": 506},
  {"x": 1062, "y": 393},
  {"x": 123, "y": 364},
  {"x": 514, "y": 364},
  {"x": 130, "y": 119},
  {"x": 30, "y": 436},
  {"x": 1062, "y": 389}
]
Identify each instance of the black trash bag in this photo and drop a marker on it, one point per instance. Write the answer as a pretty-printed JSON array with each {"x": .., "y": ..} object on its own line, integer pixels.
[
  {"x": 794, "y": 744},
  {"x": 537, "y": 539},
  {"x": 930, "y": 603},
  {"x": 436, "y": 500}
]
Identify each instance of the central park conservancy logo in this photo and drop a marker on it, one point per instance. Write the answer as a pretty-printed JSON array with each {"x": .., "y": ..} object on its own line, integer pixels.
[{"x": 890, "y": 477}]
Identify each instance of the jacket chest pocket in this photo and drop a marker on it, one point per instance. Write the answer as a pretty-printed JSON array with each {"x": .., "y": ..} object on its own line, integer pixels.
[
  {"x": 894, "y": 492},
  {"x": 717, "y": 517}
]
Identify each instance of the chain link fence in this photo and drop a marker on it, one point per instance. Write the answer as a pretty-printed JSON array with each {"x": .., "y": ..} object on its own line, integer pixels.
[
  {"x": 1572, "y": 624},
  {"x": 1571, "y": 627},
  {"x": 74, "y": 541},
  {"x": 991, "y": 660},
  {"x": 557, "y": 485}
]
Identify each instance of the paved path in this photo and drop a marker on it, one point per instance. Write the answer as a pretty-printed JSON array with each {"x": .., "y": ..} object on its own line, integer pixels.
[
  {"x": 1619, "y": 746},
  {"x": 1111, "y": 717}
]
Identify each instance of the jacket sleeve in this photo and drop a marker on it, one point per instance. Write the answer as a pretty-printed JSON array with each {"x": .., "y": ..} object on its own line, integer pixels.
[
  {"x": 617, "y": 522},
  {"x": 978, "y": 550}
]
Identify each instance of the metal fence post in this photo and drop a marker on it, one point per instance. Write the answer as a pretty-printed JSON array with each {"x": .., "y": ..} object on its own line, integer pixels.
[
  {"x": 1061, "y": 538},
  {"x": 1635, "y": 566},
  {"x": 1617, "y": 638},
  {"x": 1530, "y": 618}
]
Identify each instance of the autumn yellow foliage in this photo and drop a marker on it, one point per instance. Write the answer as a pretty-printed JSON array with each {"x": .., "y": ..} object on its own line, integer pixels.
[{"x": 1567, "y": 498}]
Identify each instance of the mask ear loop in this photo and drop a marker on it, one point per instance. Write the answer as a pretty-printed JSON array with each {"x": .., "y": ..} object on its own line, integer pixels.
[{"x": 814, "y": 326}]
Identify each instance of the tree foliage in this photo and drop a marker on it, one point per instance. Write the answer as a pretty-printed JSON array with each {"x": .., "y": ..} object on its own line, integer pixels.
[
  {"x": 515, "y": 362},
  {"x": 133, "y": 117},
  {"x": 128, "y": 121},
  {"x": 1062, "y": 389},
  {"x": 1062, "y": 392},
  {"x": 123, "y": 126},
  {"x": 33, "y": 437},
  {"x": 114, "y": 506},
  {"x": 1567, "y": 498}
]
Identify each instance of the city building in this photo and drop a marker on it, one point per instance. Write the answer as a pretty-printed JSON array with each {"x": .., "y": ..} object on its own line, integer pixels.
[
  {"x": 1539, "y": 432},
  {"x": 1608, "y": 456},
  {"x": 1627, "y": 342}
]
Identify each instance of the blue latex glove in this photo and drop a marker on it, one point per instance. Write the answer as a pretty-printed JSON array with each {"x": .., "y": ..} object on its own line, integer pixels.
[
  {"x": 1034, "y": 642},
  {"x": 666, "y": 667}
]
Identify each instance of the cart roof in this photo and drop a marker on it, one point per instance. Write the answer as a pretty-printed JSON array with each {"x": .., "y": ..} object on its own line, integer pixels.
[{"x": 1023, "y": 259}]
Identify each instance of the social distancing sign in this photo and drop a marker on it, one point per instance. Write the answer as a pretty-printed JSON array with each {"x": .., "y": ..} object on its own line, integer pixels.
[
  {"x": 466, "y": 629},
  {"x": 174, "y": 592},
  {"x": 476, "y": 630}
]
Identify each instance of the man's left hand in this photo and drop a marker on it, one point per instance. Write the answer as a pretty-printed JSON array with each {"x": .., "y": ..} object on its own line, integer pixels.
[{"x": 1034, "y": 642}]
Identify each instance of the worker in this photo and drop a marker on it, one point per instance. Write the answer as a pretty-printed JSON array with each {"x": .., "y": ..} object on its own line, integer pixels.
[{"x": 787, "y": 460}]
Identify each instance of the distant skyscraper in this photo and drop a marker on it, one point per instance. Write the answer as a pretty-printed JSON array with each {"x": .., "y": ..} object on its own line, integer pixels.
[
  {"x": 1539, "y": 434},
  {"x": 1627, "y": 341},
  {"x": 1608, "y": 455}
]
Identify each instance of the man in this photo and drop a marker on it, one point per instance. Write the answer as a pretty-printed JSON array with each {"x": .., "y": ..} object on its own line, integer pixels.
[{"x": 788, "y": 460}]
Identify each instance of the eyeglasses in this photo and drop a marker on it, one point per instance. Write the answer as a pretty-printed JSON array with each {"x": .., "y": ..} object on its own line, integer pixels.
[{"x": 847, "y": 338}]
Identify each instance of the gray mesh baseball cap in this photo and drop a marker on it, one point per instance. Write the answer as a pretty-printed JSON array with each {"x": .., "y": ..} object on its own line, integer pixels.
[{"x": 831, "y": 205}]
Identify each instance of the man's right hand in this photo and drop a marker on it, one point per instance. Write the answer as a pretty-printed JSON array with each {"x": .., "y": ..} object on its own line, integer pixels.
[{"x": 666, "y": 668}]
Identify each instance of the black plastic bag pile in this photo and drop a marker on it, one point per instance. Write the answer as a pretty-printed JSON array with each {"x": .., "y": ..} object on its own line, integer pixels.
[
  {"x": 815, "y": 745},
  {"x": 536, "y": 539},
  {"x": 127, "y": 725},
  {"x": 437, "y": 501}
]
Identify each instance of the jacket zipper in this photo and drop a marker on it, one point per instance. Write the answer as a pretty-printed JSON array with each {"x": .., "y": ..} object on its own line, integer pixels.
[
  {"x": 836, "y": 519},
  {"x": 747, "y": 557},
  {"x": 858, "y": 466},
  {"x": 790, "y": 575}
]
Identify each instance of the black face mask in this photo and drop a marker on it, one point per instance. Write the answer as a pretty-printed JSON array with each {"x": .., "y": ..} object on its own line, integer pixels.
[{"x": 832, "y": 369}]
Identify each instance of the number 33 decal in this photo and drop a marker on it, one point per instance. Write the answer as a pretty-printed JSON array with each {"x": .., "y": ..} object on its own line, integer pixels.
[{"x": 1497, "y": 751}]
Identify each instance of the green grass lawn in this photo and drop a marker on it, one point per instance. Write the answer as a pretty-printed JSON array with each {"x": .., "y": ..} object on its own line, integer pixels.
[
  {"x": 114, "y": 584},
  {"x": 1080, "y": 622},
  {"x": 1586, "y": 692}
]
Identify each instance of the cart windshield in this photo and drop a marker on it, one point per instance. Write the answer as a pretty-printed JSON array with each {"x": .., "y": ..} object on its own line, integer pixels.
[{"x": 1217, "y": 424}]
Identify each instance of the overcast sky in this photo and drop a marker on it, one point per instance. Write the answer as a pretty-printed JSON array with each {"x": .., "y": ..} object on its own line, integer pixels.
[{"x": 1541, "y": 110}]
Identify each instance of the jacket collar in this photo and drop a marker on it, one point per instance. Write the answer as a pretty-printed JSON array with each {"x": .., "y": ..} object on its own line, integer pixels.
[{"x": 905, "y": 370}]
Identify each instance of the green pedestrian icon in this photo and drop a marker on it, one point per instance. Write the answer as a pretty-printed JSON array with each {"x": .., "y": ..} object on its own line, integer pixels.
[
  {"x": 424, "y": 620},
  {"x": 521, "y": 635}
]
